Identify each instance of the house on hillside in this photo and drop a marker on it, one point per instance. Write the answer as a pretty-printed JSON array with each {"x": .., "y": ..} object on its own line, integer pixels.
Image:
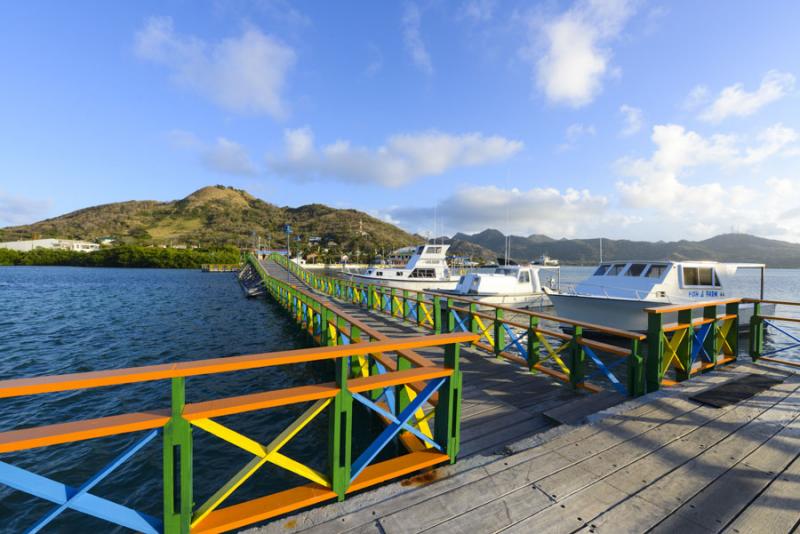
[{"x": 51, "y": 244}]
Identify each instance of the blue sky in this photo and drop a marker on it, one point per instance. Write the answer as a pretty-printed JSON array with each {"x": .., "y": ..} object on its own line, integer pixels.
[{"x": 627, "y": 119}]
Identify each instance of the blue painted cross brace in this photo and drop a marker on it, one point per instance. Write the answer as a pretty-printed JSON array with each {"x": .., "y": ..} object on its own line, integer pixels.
[
  {"x": 698, "y": 344},
  {"x": 606, "y": 370},
  {"x": 80, "y": 499},
  {"x": 459, "y": 321},
  {"x": 394, "y": 428},
  {"x": 388, "y": 392},
  {"x": 515, "y": 340},
  {"x": 785, "y": 347}
]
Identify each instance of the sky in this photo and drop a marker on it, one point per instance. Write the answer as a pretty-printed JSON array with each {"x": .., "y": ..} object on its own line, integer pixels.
[{"x": 618, "y": 118}]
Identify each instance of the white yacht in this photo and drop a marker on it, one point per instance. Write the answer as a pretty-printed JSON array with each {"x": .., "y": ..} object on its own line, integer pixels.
[
  {"x": 426, "y": 269},
  {"x": 509, "y": 285},
  {"x": 618, "y": 292}
]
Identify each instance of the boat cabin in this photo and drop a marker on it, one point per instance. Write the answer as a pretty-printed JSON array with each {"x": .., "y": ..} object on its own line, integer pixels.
[
  {"x": 427, "y": 262},
  {"x": 660, "y": 280}
]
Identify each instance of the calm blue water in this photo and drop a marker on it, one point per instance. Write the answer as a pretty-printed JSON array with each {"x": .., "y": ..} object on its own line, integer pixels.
[{"x": 57, "y": 320}]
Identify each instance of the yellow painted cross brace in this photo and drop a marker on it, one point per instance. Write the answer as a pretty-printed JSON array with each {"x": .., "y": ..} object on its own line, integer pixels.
[
  {"x": 554, "y": 353},
  {"x": 262, "y": 455},
  {"x": 671, "y": 345},
  {"x": 428, "y": 317},
  {"x": 722, "y": 335},
  {"x": 398, "y": 306},
  {"x": 422, "y": 419},
  {"x": 332, "y": 334},
  {"x": 484, "y": 330}
]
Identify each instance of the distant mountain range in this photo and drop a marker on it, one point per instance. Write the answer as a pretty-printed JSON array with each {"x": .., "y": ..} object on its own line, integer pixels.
[
  {"x": 216, "y": 216},
  {"x": 219, "y": 215},
  {"x": 725, "y": 247}
]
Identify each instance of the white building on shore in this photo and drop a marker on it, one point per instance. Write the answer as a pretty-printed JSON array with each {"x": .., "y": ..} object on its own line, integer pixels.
[{"x": 52, "y": 244}]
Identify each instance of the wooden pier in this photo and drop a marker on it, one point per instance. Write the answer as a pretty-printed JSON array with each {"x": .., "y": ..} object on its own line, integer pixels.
[
  {"x": 656, "y": 462},
  {"x": 497, "y": 420},
  {"x": 220, "y": 267}
]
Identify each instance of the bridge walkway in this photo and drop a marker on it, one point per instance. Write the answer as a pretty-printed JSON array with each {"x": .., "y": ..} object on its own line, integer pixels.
[{"x": 501, "y": 402}]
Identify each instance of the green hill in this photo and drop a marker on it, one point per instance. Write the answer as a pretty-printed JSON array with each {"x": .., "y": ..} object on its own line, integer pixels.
[{"x": 216, "y": 216}]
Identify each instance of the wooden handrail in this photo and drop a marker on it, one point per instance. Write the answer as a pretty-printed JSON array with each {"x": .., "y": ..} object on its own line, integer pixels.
[
  {"x": 672, "y": 308},
  {"x": 776, "y": 318},
  {"x": 767, "y": 301},
  {"x": 50, "y": 384},
  {"x": 562, "y": 320}
]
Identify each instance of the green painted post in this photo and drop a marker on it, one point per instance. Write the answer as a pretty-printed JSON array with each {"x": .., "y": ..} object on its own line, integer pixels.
[
  {"x": 499, "y": 332},
  {"x": 392, "y": 307},
  {"x": 577, "y": 356},
  {"x": 756, "y": 332},
  {"x": 685, "y": 346},
  {"x": 533, "y": 344},
  {"x": 473, "y": 324},
  {"x": 449, "y": 318},
  {"x": 370, "y": 297},
  {"x": 340, "y": 432},
  {"x": 732, "y": 308},
  {"x": 447, "y": 424},
  {"x": 655, "y": 351},
  {"x": 437, "y": 314},
  {"x": 637, "y": 385},
  {"x": 711, "y": 344},
  {"x": 401, "y": 393},
  {"x": 177, "y": 466},
  {"x": 406, "y": 307},
  {"x": 420, "y": 313}
]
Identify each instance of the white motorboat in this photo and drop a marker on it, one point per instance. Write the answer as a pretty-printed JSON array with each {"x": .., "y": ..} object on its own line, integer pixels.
[
  {"x": 618, "y": 292},
  {"x": 427, "y": 269},
  {"x": 508, "y": 285}
]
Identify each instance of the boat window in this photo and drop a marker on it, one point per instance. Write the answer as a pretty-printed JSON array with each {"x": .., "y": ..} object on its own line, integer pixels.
[
  {"x": 379, "y": 273},
  {"x": 601, "y": 270},
  {"x": 636, "y": 269},
  {"x": 422, "y": 273},
  {"x": 434, "y": 250},
  {"x": 616, "y": 269},
  {"x": 400, "y": 273},
  {"x": 699, "y": 276},
  {"x": 656, "y": 270},
  {"x": 525, "y": 277}
]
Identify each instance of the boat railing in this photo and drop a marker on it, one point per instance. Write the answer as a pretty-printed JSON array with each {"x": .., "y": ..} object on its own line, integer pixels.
[
  {"x": 419, "y": 399},
  {"x": 544, "y": 343}
]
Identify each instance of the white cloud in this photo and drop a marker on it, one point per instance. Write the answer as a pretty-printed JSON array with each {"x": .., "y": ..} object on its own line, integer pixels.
[
  {"x": 412, "y": 37},
  {"x": 734, "y": 101},
  {"x": 16, "y": 210},
  {"x": 376, "y": 60},
  {"x": 634, "y": 119},
  {"x": 664, "y": 186},
  {"x": 245, "y": 74},
  {"x": 698, "y": 96},
  {"x": 538, "y": 210},
  {"x": 574, "y": 133},
  {"x": 223, "y": 156},
  {"x": 400, "y": 160},
  {"x": 478, "y": 10},
  {"x": 576, "y": 55},
  {"x": 228, "y": 157}
]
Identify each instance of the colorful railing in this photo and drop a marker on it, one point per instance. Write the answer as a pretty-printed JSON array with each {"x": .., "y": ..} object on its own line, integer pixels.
[
  {"x": 761, "y": 324},
  {"x": 533, "y": 339},
  {"x": 176, "y": 425},
  {"x": 689, "y": 339}
]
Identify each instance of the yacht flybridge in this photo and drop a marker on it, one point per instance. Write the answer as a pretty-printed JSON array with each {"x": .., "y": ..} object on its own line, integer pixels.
[
  {"x": 618, "y": 292},
  {"x": 426, "y": 269},
  {"x": 508, "y": 285}
]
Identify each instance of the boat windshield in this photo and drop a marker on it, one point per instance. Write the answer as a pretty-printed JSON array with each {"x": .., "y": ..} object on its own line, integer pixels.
[
  {"x": 616, "y": 269},
  {"x": 656, "y": 270},
  {"x": 635, "y": 269},
  {"x": 601, "y": 270}
]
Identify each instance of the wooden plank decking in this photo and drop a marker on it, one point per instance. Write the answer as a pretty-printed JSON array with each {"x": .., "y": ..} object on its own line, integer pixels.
[{"x": 658, "y": 463}]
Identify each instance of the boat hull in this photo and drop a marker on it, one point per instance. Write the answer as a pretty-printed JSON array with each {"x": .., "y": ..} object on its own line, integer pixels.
[
  {"x": 525, "y": 300},
  {"x": 407, "y": 284},
  {"x": 629, "y": 315}
]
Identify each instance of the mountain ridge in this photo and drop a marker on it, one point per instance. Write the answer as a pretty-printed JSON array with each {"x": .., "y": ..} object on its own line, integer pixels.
[{"x": 724, "y": 247}]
